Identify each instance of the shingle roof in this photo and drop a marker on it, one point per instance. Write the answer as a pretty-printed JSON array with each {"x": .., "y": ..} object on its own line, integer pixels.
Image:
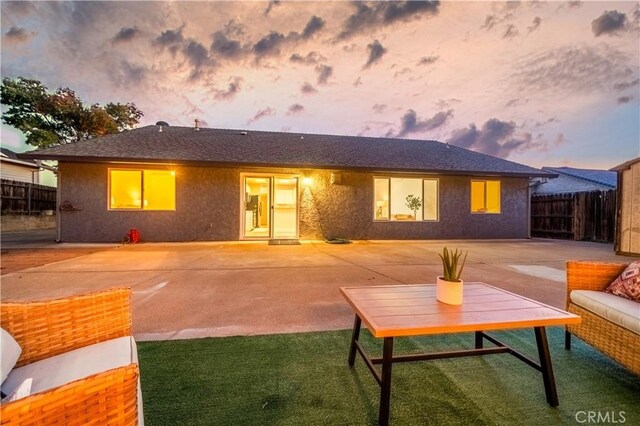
[
  {"x": 8, "y": 153},
  {"x": 601, "y": 177},
  {"x": 12, "y": 157},
  {"x": 276, "y": 149},
  {"x": 571, "y": 180}
]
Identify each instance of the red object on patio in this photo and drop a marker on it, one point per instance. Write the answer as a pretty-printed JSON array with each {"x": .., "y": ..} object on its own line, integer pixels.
[{"x": 134, "y": 236}]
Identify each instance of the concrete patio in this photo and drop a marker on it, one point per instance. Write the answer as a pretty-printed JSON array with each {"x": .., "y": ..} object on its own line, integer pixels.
[{"x": 188, "y": 290}]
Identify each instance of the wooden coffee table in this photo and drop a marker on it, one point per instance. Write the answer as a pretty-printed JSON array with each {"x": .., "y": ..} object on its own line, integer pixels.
[{"x": 410, "y": 310}]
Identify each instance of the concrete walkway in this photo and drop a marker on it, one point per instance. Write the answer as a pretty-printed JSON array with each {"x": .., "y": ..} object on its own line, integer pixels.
[{"x": 188, "y": 290}]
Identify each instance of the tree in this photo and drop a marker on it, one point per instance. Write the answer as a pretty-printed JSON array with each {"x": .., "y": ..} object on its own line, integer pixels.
[
  {"x": 414, "y": 203},
  {"x": 57, "y": 118}
]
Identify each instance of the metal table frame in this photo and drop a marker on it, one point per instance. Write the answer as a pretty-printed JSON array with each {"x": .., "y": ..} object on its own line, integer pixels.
[{"x": 384, "y": 378}]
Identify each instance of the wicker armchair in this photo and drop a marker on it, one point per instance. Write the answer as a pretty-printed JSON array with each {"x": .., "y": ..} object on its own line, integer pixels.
[
  {"x": 611, "y": 339},
  {"x": 49, "y": 328}
]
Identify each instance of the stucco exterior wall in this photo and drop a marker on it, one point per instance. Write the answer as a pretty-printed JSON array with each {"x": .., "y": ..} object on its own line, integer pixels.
[
  {"x": 346, "y": 210},
  {"x": 208, "y": 207}
]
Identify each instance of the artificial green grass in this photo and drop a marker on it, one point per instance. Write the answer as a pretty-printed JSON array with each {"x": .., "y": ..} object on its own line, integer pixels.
[{"x": 304, "y": 379}]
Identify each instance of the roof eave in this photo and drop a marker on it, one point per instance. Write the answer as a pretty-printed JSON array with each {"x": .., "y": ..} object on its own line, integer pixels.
[
  {"x": 18, "y": 162},
  {"x": 88, "y": 159}
]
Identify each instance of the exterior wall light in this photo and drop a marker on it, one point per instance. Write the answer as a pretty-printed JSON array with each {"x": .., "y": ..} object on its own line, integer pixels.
[{"x": 307, "y": 181}]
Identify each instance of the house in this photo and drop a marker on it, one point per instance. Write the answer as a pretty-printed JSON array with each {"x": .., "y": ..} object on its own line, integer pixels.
[
  {"x": 13, "y": 168},
  {"x": 579, "y": 204},
  {"x": 572, "y": 180},
  {"x": 25, "y": 170},
  {"x": 628, "y": 227},
  {"x": 187, "y": 184}
]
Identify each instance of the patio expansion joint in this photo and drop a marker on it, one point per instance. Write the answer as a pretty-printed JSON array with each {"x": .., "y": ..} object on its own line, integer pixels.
[{"x": 357, "y": 265}]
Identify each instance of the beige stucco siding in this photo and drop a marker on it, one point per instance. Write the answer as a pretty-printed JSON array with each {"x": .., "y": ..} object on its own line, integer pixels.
[{"x": 208, "y": 207}]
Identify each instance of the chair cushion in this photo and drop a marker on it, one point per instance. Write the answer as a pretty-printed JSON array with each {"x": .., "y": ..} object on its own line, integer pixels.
[
  {"x": 58, "y": 370},
  {"x": 23, "y": 391},
  {"x": 620, "y": 311},
  {"x": 627, "y": 285},
  {"x": 10, "y": 351}
]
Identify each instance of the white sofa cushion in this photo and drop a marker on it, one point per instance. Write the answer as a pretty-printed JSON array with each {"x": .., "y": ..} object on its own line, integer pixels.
[
  {"x": 78, "y": 364},
  {"x": 618, "y": 310},
  {"x": 10, "y": 351},
  {"x": 23, "y": 391}
]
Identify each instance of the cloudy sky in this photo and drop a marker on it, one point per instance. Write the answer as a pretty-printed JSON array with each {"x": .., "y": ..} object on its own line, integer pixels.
[{"x": 541, "y": 83}]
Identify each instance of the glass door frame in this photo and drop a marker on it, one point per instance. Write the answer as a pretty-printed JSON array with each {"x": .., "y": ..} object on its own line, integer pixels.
[{"x": 272, "y": 178}]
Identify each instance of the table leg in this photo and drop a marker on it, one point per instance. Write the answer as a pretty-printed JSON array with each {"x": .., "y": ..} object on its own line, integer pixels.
[
  {"x": 354, "y": 338},
  {"x": 478, "y": 339},
  {"x": 567, "y": 339},
  {"x": 545, "y": 365},
  {"x": 385, "y": 392}
]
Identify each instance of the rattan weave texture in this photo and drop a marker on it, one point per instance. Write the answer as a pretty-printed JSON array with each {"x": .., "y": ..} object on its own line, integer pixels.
[
  {"x": 48, "y": 328},
  {"x": 611, "y": 339}
]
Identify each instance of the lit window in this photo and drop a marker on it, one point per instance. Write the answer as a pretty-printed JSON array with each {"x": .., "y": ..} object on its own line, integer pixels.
[
  {"x": 159, "y": 190},
  {"x": 405, "y": 199},
  {"x": 485, "y": 196},
  {"x": 142, "y": 189},
  {"x": 126, "y": 189},
  {"x": 381, "y": 208},
  {"x": 430, "y": 197}
]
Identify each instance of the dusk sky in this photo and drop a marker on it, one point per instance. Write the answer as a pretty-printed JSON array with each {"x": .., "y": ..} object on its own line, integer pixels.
[{"x": 540, "y": 83}]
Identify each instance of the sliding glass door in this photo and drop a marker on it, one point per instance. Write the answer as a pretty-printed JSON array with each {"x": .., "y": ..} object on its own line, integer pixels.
[{"x": 270, "y": 207}]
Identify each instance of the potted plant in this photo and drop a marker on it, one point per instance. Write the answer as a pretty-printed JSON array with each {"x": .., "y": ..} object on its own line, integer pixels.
[
  {"x": 414, "y": 203},
  {"x": 449, "y": 285}
]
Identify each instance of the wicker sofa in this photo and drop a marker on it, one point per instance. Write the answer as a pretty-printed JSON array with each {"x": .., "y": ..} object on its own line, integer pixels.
[
  {"x": 80, "y": 354},
  {"x": 617, "y": 336}
]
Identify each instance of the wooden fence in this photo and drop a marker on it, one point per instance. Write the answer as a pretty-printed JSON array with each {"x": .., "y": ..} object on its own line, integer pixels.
[
  {"x": 26, "y": 198},
  {"x": 585, "y": 216}
]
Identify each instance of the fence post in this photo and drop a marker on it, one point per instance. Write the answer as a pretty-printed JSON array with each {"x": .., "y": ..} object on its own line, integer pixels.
[{"x": 29, "y": 199}]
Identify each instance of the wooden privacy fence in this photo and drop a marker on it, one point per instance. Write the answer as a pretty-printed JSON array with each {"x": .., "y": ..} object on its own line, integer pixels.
[
  {"x": 586, "y": 216},
  {"x": 26, "y": 198}
]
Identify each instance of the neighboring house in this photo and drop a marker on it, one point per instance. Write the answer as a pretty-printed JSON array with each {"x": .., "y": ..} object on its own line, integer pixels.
[
  {"x": 185, "y": 184},
  {"x": 25, "y": 170},
  {"x": 579, "y": 204},
  {"x": 628, "y": 229},
  {"x": 13, "y": 168},
  {"x": 571, "y": 180}
]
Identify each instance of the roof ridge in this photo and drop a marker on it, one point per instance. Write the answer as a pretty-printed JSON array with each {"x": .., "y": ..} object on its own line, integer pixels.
[{"x": 168, "y": 129}]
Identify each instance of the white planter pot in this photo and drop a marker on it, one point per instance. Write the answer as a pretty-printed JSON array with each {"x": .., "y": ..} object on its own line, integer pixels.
[{"x": 449, "y": 292}]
